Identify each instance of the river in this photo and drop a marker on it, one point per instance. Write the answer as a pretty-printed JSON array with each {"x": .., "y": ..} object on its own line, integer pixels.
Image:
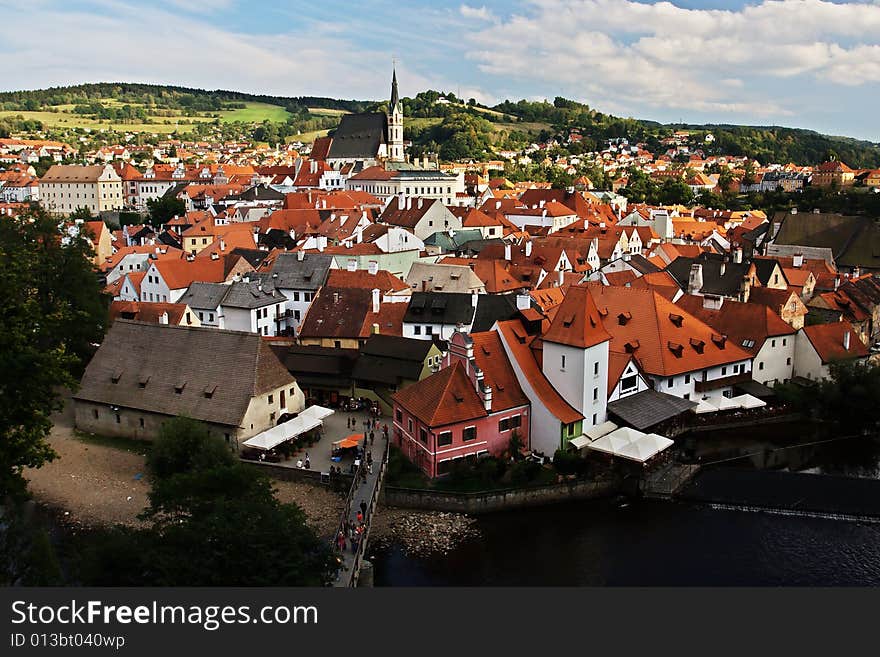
[{"x": 656, "y": 543}]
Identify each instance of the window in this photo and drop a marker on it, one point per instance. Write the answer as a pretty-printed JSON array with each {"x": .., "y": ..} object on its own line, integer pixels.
[
  {"x": 783, "y": 342},
  {"x": 201, "y": 316},
  {"x": 271, "y": 399},
  {"x": 569, "y": 428},
  {"x": 423, "y": 436},
  {"x": 118, "y": 419},
  {"x": 417, "y": 330},
  {"x": 723, "y": 371},
  {"x": 629, "y": 382},
  {"x": 595, "y": 417},
  {"x": 687, "y": 395},
  {"x": 504, "y": 425},
  {"x": 444, "y": 466},
  {"x": 409, "y": 425},
  {"x": 95, "y": 413},
  {"x": 761, "y": 365},
  {"x": 337, "y": 344},
  {"x": 772, "y": 343},
  {"x": 687, "y": 378},
  {"x": 398, "y": 415},
  {"x": 563, "y": 361},
  {"x": 141, "y": 421},
  {"x": 788, "y": 361},
  {"x": 670, "y": 382},
  {"x": 296, "y": 296},
  {"x": 470, "y": 433},
  {"x": 595, "y": 394},
  {"x": 210, "y": 317},
  {"x": 271, "y": 417},
  {"x": 444, "y": 438},
  {"x": 595, "y": 369}
]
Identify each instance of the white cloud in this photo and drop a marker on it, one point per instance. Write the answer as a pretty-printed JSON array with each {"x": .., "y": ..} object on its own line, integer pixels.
[
  {"x": 480, "y": 13},
  {"x": 672, "y": 57}
]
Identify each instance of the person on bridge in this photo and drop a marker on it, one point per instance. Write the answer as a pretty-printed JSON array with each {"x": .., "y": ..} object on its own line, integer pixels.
[{"x": 364, "y": 508}]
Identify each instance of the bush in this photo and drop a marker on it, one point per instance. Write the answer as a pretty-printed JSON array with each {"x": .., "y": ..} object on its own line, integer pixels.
[
  {"x": 185, "y": 445},
  {"x": 524, "y": 472}
]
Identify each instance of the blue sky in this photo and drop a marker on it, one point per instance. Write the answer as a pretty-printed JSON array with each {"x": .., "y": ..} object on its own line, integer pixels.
[{"x": 803, "y": 63}]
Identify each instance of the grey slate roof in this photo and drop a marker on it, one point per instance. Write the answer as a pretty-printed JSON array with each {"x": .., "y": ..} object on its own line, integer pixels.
[
  {"x": 389, "y": 359},
  {"x": 219, "y": 371},
  {"x": 204, "y": 295},
  {"x": 457, "y": 308},
  {"x": 649, "y": 407},
  {"x": 359, "y": 136},
  {"x": 714, "y": 282},
  {"x": 308, "y": 274},
  {"x": 249, "y": 295}
]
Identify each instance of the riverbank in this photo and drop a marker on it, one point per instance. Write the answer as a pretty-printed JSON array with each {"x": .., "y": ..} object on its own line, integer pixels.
[{"x": 421, "y": 533}]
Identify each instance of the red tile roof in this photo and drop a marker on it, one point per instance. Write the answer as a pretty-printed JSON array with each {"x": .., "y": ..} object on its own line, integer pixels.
[
  {"x": 497, "y": 371},
  {"x": 827, "y": 340},
  {"x": 577, "y": 322},
  {"x": 446, "y": 397},
  {"x": 519, "y": 344}
]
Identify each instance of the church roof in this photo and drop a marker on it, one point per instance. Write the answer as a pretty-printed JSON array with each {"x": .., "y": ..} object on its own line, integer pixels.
[{"x": 359, "y": 136}]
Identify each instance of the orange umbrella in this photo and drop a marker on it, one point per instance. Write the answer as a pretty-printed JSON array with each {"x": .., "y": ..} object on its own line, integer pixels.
[{"x": 350, "y": 441}]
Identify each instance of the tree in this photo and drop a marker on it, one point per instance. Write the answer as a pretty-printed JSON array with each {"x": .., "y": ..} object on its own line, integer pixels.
[
  {"x": 81, "y": 214},
  {"x": 164, "y": 208},
  {"x": 53, "y": 315},
  {"x": 205, "y": 502}
]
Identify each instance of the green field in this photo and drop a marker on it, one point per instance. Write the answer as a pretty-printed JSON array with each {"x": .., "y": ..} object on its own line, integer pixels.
[
  {"x": 66, "y": 118},
  {"x": 256, "y": 113},
  {"x": 307, "y": 137},
  {"x": 324, "y": 111}
]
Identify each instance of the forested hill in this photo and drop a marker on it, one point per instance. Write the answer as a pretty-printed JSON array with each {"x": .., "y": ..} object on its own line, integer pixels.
[
  {"x": 163, "y": 96},
  {"x": 436, "y": 122}
]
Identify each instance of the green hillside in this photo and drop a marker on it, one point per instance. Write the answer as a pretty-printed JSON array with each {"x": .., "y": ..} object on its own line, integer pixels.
[{"x": 436, "y": 123}]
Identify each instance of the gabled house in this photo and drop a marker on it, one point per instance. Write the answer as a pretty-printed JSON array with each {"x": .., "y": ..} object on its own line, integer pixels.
[
  {"x": 819, "y": 345},
  {"x": 298, "y": 276},
  {"x": 437, "y": 315},
  {"x": 753, "y": 327},
  {"x": 421, "y": 216},
  {"x": 469, "y": 408},
  {"x": 145, "y": 374}
]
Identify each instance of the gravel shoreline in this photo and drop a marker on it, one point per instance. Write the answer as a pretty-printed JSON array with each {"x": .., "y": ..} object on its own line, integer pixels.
[{"x": 421, "y": 533}]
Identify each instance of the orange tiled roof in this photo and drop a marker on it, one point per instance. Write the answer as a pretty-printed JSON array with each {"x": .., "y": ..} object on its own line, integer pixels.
[
  {"x": 827, "y": 340},
  {"x": 446, "y": 397}
]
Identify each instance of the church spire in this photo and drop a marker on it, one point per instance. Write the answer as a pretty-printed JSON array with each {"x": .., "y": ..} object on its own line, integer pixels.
[{"x": 394, "y": 96}]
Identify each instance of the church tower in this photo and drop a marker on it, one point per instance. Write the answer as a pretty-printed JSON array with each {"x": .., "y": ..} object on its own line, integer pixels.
[{"x": 395, "y": 123}]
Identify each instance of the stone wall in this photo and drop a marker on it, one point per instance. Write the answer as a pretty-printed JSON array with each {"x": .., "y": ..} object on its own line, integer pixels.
[{"x": 498, "y": 500}]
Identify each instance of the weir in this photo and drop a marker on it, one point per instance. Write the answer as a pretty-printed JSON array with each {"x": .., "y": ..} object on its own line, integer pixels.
[{"x": 821, "y": 496}]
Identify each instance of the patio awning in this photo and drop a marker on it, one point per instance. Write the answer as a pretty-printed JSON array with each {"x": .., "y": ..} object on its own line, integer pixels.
[
  {"x": 271, "y": 438},
  {"x": 600, "y": 430},
  {"x": 631, "y": 444},
  {"x": 317, "y": 412},
  {"x": 350, "y": 441},
  {"x": 580, "y": 442}
]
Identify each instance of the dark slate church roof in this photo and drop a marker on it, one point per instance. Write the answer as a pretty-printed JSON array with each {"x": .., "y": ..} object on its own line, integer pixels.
[{"x": 359, "y": 136}]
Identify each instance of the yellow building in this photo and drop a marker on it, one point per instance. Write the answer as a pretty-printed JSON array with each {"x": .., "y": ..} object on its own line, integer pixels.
[
  {"x": 64, "y": 188},
  {"x": 834, "y": 172}
]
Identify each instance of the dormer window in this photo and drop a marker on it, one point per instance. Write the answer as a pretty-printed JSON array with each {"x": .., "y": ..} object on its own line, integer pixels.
[
  {"x": 719, "y": 340},
  {"x": 623, "y": 318},
  {"x": 179, "y": 386},
  {"x": 698, "y": 345},
  {"x": 143, "y": 381},
  {"x": 678, "y": 320},
  {"x": 117, "y": 374},
  {"x": 209, "y": 391},
  {"x": 676, "y": 348}
]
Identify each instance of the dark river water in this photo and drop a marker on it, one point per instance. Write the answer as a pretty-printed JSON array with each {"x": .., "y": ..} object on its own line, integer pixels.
[{"x": 655, "y": 543}]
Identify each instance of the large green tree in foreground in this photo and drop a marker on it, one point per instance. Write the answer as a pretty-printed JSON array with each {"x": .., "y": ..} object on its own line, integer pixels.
[
  {"x": 214, "y": 521},
  {"x": 52, "y": 316}
]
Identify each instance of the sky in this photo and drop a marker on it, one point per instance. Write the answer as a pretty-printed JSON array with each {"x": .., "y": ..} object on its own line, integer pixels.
[{"x": 801, "y": 63}]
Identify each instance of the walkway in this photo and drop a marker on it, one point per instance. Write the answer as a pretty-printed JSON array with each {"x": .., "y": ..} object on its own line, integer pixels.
[{"x": 365, "y": 488}]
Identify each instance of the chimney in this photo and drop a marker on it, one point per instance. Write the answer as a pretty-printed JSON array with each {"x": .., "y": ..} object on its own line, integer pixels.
[
  {"x": 322, "y": 243},
  {"x": 376, "y": 300},
  {"x": 794, "y": 210},
  {"x": 375, "y": 329},
  {"x": 420, "y": 202},
  {"x": 409, "y": 202},
  {"x": 507, "y": 252},
  {"x": 475, "y": 299},
  {"x": 352, "y": 264},
  {"x": 215, "y": 256},
  {"x": 523, "y": 301},
  {"x": 560, "y": 278},
  {"x": 300, "y": 255},
  {"x": 797, "y": 260},
  {"x": 845, "y": 340},
  {"x": 528, "y": 249},
  {"x": 695, "y": 280},
  {"x": 222, "y": 244},
  {"x": 738, "y": 255},
  {"x": 723, "y": 267},
  {"x": 836, "y": 282},
  {"x": 336, "y": 297},
  {"x": 373, "y": 267},
  {"x": 163, "y": 319}
]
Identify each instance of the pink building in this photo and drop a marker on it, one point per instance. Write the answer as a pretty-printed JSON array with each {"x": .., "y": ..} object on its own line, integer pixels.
[{"x": 469, "y": 408}]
